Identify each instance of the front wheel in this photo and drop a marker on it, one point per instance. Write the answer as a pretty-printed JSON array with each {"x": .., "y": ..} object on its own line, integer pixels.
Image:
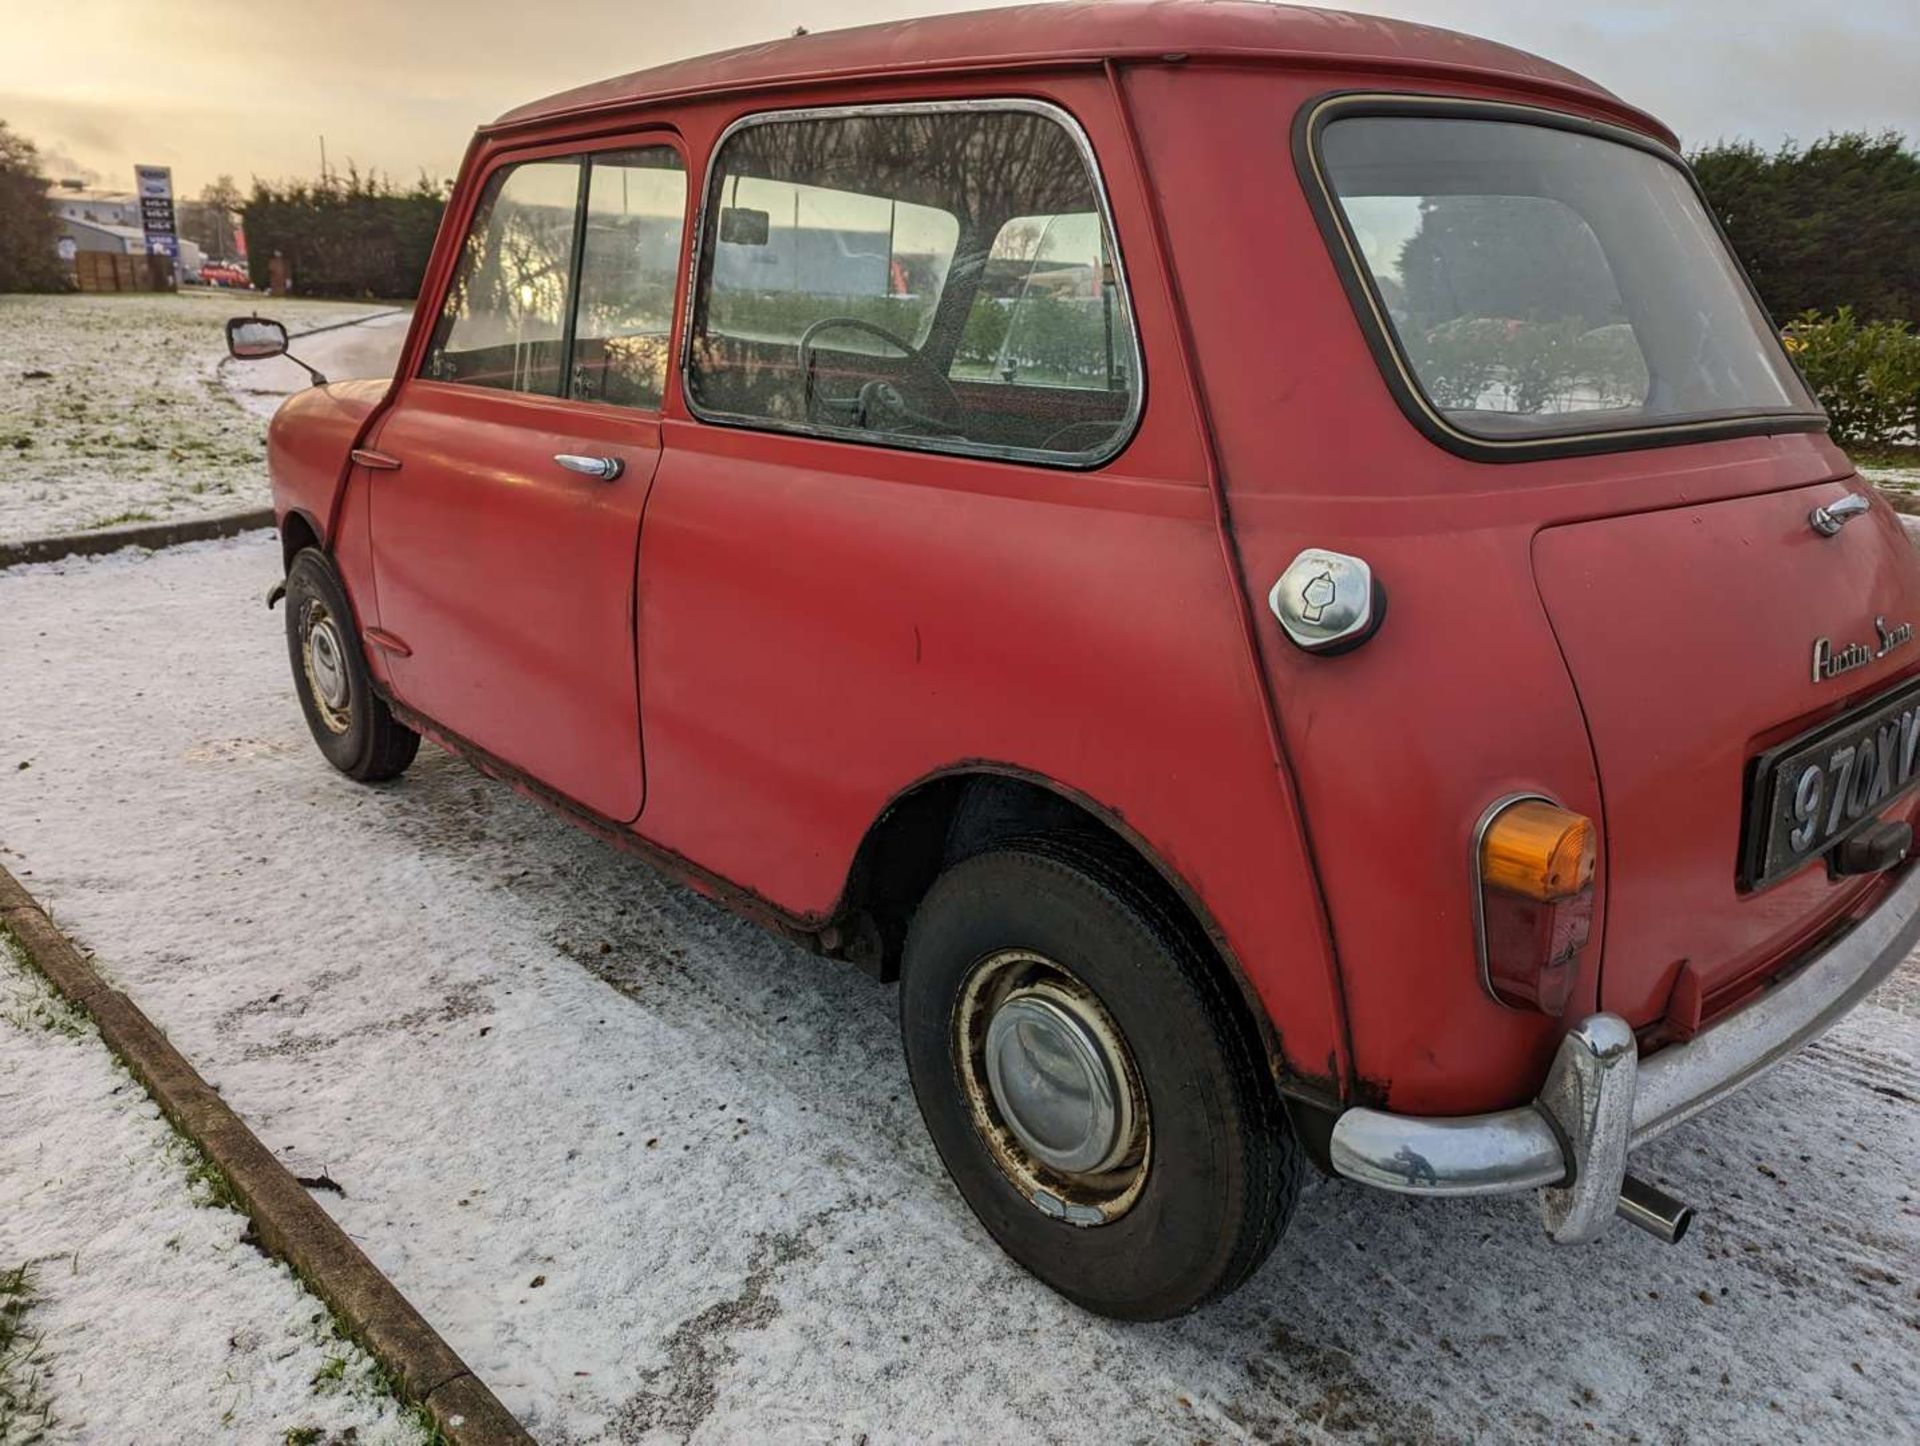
[
  {"x": 1098, "y": 1097},
  {"x": 352, "y": 724}
]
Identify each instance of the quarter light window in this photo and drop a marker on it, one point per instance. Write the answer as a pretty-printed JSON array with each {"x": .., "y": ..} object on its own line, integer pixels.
[
  {"x": 504, "y": 321},
  {"x": 629, "y": 264},
  {"x": 933, "y": 277},
  {"x": 1045, "y": 313}
]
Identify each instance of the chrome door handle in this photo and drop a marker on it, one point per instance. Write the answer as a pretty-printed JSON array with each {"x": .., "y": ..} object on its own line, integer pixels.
[
  {"x": 605, "y": 468},
  {"x": 1835, "y": 515}
]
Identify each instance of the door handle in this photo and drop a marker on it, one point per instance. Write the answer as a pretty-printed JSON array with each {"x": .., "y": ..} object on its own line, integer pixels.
[
  {"x": 1835, "y": 515},
  {"x": 604, "y": 468}
]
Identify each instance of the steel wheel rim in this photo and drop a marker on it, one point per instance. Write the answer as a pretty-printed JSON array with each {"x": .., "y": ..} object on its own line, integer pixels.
[
  {"x": 323, "y": 655},
  {"x": 1052, "y": 1088}
]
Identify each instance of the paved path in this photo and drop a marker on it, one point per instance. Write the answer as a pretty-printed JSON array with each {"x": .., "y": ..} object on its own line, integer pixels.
[
  {"x": 341, "y": 353},
  {"x": 659, "y": 1177}
]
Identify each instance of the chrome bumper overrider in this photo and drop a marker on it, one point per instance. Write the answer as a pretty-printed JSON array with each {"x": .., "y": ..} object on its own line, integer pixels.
[{"x": 1600, "y": 1099}]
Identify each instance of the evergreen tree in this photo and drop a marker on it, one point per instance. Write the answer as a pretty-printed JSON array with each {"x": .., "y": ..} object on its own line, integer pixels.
[
  {"x": 1834, "y": 224},
  {"x": 29, "y": 236}
]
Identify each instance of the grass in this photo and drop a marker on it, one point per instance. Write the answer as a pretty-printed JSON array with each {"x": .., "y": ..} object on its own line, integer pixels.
[
  {"x": 113, "y": 404},
  {"x": 331, "y": 1375},
  {"x": 41, "y": 1009},
  {"x": 26, "y": 1412},
  {"x": 370, "y": 1379},
  {"x": 208, "y": 1183},
  {"x": 122, "y": 519},
  {"x": 1890, "y": 457}
]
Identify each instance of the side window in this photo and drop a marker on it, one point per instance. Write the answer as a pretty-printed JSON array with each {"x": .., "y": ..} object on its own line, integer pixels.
[
  {"x": 504, "y": 321},
  {"x": 1048, "y": 311},
  {"x": 883, "y": 275},
  {"x": 629, "y": 265},
  {"x": 789, "y": 254}
]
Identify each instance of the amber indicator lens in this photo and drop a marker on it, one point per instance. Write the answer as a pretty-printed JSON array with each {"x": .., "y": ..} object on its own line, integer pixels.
[
  {"x": 1538, "y": 851},
  {"x": 1536, "y": 903}
]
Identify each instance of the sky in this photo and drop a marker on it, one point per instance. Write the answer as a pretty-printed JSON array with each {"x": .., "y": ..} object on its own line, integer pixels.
[{"x": 209, "y": 87}]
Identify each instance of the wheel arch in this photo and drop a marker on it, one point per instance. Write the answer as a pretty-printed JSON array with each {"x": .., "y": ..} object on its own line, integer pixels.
[
  {"x": 298, "y": 531},
  {"x": 960, "y": 810}
]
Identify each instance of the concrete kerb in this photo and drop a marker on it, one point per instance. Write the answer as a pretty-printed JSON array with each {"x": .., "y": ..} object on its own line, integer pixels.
[{"x": 147, "y": 534}]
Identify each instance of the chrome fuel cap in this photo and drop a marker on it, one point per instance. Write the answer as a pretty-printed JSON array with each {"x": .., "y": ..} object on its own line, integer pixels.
[{"x": 1327, "y": 601}]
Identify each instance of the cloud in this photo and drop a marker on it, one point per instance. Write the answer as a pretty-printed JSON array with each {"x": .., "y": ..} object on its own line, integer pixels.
[{"x": 57, "y": 165}]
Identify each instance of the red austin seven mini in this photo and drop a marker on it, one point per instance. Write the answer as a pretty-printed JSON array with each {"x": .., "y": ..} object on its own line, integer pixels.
[{"x": 1267, "y": 565}]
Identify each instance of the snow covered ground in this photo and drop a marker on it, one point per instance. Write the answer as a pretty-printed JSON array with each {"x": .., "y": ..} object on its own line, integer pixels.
[
  {"x": 659, "y": 1177},
  {"x": 111, "y": 411},
  {"x": 151, "y": 1317}
]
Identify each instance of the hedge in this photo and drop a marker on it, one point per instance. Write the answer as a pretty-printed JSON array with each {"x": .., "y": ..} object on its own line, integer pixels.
[
  {"x": 1866, "y": 374},
  {"x": 357, "y": 237}
]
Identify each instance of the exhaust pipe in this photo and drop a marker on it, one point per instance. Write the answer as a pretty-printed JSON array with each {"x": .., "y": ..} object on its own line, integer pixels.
[{"x": 1653, "y": 1210}]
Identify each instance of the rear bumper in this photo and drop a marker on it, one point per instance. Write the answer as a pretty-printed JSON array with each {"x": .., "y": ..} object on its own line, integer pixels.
[{"x": 1601, "y": 1100}]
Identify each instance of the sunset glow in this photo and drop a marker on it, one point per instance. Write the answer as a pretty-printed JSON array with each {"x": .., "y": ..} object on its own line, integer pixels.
[{"x": 214, "y": 89}]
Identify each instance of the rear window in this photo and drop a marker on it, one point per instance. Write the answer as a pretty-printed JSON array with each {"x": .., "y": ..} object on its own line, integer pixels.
[{"x": 1537, "y": 283}]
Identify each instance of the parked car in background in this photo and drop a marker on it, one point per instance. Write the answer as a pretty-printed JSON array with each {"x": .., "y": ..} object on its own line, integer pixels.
[
  {"x": 1267, "y": 565},
  {"x": 225, "y": 273}
]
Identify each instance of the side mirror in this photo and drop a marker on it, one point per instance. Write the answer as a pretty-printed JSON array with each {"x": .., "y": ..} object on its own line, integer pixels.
[
  {"x": 254, "y": 338},
  {"x": 741, "y": 226}
]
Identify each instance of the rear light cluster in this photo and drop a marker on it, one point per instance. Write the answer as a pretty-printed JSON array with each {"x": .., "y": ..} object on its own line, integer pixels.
[{"x": 1535, "y": 864}]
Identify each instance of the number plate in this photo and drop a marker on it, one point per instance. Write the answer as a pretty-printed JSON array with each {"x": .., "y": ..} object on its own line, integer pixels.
[{"x": 1811, "y": 792}]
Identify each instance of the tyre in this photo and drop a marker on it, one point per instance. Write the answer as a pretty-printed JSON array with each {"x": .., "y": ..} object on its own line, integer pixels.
[
  {"x": 352, "y": 724},
  {"x": 1097, "y": 1094}
]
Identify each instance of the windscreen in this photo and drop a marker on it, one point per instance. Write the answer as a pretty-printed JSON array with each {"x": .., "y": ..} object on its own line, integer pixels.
[{"x": 1542, "y": 282}]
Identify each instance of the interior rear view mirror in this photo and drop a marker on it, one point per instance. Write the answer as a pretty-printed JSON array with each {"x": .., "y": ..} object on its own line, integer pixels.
[{"x": 742, "y": 226}]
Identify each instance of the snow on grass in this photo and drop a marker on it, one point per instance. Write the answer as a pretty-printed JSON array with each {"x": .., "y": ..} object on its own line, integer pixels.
[
  {"x": 111, "y": 412},
  {"x": 131, "y": 1306},
  {"x": 26, "y": 1414},
  {"x": 659, "y": 1177},
  {"x": 1896, "y": 474}
]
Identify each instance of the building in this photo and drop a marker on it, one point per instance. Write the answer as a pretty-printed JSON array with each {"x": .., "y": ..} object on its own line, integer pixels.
[
  {"x": 72, "y": 201},
  {"x": 110, "y": 221}
]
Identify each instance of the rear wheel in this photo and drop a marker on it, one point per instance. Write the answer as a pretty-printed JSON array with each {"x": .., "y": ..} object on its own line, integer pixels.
[
  {"x": 1098, "y": 1097},
  {"x": 352, "y": 724}
]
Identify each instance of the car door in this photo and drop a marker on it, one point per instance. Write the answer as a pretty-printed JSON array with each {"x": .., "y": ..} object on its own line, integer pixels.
[{"x": 506, "y": 519}]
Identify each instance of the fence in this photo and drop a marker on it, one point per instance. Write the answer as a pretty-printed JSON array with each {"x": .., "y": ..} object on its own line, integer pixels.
[{"x": 114, "y": 271}]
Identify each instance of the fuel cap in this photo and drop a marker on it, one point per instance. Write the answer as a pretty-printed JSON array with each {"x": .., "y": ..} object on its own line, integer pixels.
[{"x": 1328, "y": 601}]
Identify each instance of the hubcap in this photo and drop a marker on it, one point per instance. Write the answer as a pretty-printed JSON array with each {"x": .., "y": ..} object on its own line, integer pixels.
[
  {"x": 326, "y": 665},
  {"x": 1052, "y": 1088},
  {"x": 1055, "y": 1080}
]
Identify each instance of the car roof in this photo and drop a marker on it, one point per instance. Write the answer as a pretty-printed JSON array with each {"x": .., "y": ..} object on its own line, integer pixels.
[{"x": 1043, "y": 35}]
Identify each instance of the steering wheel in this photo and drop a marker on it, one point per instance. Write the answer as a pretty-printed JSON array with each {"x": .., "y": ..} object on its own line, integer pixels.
[
  {"x": 879, "y": 401},
  {"x": 1096, "y": 430}
]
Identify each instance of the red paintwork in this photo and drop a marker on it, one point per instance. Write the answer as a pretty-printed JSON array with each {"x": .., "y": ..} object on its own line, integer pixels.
[
  {"x": 309, "y": 438},
  {"x": 1037, "y": 36},
  {"x": 1668, "y": 605},
  {"x": 815, "y": 627},
  {"x": 520, "y": 615}
]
